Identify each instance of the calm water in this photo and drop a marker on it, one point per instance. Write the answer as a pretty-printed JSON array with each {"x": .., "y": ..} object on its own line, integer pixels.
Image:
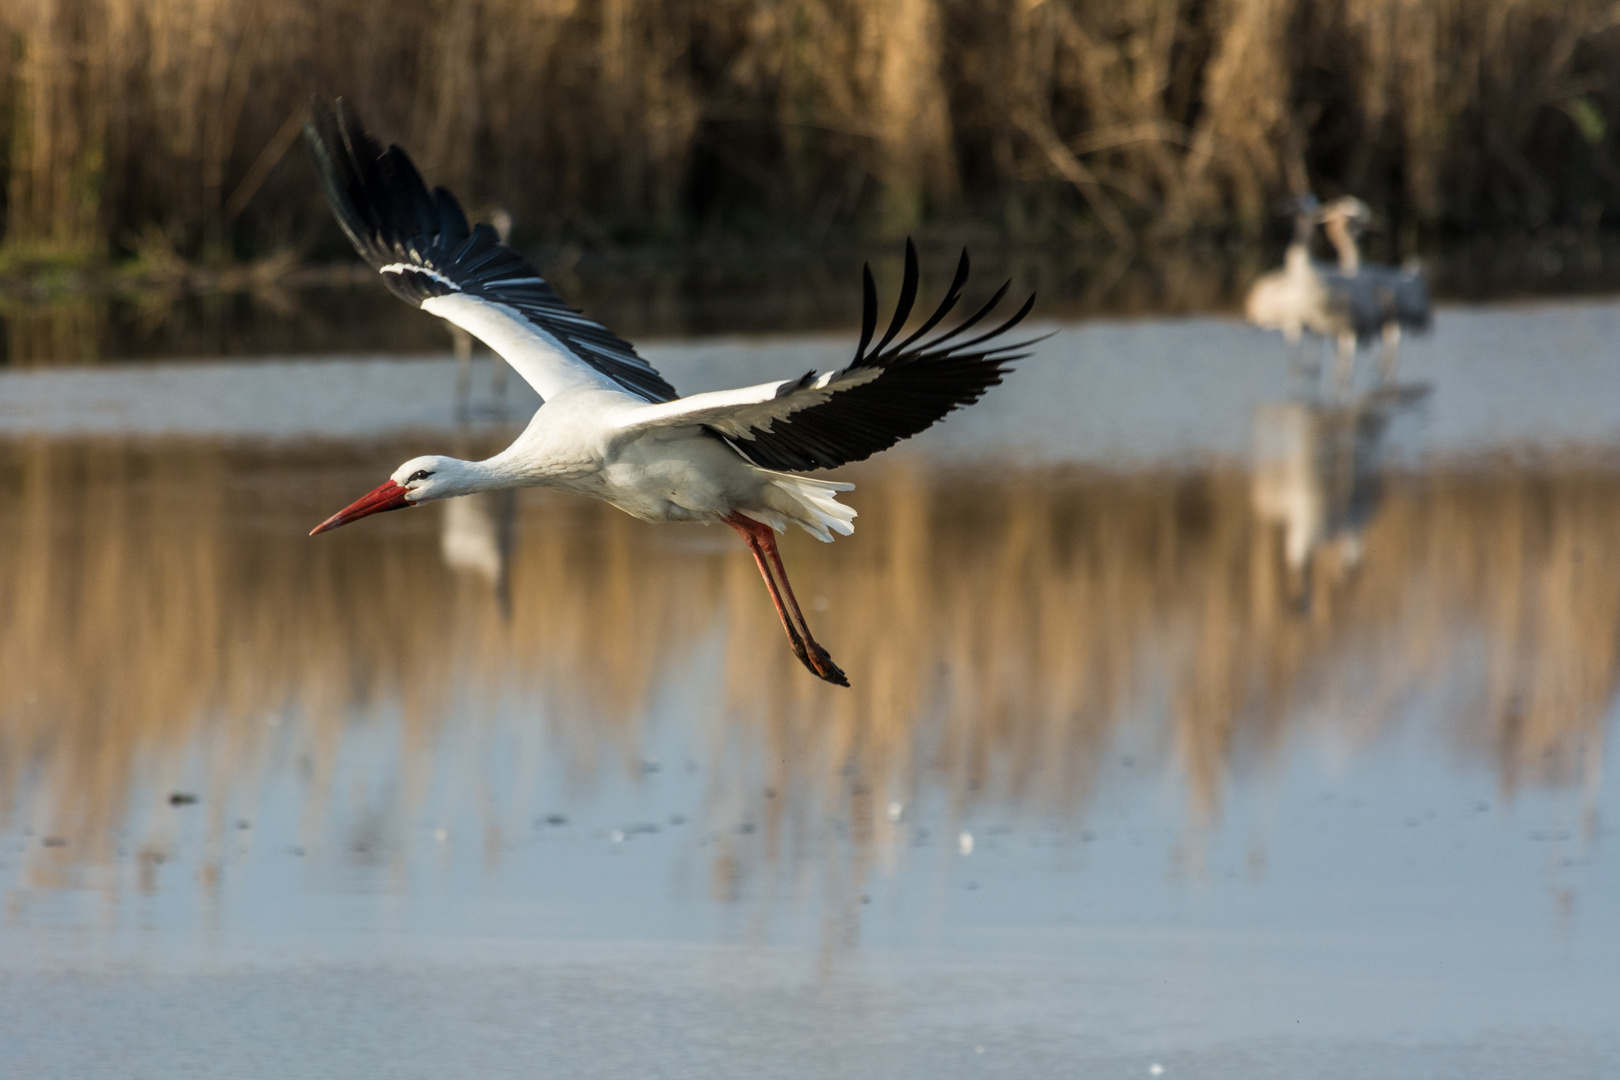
[{"x": 1198, "y": 724}]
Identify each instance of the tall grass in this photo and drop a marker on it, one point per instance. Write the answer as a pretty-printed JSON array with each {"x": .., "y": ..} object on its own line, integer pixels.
[
  {"x": 1005, "y": 635},
  {"x": 132, "y": 121}
]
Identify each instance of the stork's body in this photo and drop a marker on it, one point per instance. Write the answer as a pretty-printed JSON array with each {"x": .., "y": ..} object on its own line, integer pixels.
[
  {"x": 1387, "y": 300},
  {"x": 611, "y": 427},
  {"x": 1306, "y": 295}
]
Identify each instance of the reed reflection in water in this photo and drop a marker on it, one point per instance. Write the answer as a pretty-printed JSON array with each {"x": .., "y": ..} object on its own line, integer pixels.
[{"x": 1004, "y": 630}]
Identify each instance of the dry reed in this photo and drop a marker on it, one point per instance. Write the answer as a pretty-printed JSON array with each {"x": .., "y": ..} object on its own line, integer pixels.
[{"x": 604, "y": 119}]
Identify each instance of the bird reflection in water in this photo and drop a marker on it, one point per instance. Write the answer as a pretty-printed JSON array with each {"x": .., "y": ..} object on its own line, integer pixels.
[
  {"x": 476, "y": 533},
  {"x": 1316, "y": 478}
]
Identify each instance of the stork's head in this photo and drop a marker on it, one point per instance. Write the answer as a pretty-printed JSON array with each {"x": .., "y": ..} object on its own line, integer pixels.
[
  {"x": 1355, "y": 214},
  {"x": 419, "y": 480}
]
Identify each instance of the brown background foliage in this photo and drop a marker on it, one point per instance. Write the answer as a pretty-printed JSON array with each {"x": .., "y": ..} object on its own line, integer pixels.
[{"x": 172, "y": 124}]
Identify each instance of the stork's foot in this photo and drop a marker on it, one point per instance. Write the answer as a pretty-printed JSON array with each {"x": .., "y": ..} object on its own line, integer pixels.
[{"x": 822, "y": 665}]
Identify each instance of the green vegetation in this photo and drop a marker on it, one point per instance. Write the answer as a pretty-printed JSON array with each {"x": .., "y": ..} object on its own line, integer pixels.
[{"x": 603, "y": 122}]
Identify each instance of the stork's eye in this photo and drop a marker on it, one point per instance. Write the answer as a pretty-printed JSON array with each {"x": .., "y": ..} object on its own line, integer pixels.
[{"x": 419, "y": 474}]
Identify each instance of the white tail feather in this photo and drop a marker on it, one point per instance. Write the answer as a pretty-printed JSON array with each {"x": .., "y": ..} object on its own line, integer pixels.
[{"x": 810, "y": 504}]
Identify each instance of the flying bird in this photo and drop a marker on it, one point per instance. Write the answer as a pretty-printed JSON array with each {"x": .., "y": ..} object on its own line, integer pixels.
[{"x": 610, "y": 426}]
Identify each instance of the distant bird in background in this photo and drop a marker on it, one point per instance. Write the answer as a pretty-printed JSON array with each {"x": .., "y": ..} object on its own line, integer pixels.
[
  {"x": 611, "y": 427},
  {"x": 1398, "y": 298},
  {"x": 1304, "y": 295},
  {"x": 462, "y": 341},
  {"x": 1346, "y": 302}
]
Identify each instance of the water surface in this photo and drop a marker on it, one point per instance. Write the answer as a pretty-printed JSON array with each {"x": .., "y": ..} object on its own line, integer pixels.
[{"x": 1199, "y": 721}]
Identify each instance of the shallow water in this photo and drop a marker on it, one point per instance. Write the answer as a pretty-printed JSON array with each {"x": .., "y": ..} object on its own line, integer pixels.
[{"x": 1197, "y": 722}]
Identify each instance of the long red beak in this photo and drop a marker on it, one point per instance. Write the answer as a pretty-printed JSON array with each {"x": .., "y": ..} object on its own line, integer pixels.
[{"x": 389, "y": 496}]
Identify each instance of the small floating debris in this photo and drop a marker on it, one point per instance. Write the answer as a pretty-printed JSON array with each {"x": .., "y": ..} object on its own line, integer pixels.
[
  {"x": 55, "y": 841},
  {"x": 897, "y": 810},
  {"x": 617, "y": 836},
  {"x": 181, "y": 798},
  {"x": 556, "y": 819},
  {"x": 1155, "y": 1069},
  {"x": 964, "y": 843},
  {"x": 441, "y": 834}
]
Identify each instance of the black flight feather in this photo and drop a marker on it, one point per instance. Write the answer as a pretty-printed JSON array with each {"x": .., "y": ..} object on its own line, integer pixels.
[
  {"x": 394, "y": 221},
  {"x": 919, "y": 382}
]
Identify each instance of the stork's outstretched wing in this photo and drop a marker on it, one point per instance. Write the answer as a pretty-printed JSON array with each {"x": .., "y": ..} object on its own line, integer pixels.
[
  {"x": 886, "y": 394},
  {"x": 421, "y": 244}
]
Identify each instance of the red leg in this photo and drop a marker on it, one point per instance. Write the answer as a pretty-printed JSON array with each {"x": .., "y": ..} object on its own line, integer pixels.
[
  {"x": 821, "y": 663},
  {"x": 762, "y": 543},
  {"x": 752, "y": 540}
]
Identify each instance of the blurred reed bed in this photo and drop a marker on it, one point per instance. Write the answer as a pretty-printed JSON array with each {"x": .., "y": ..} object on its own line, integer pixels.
[
  {"x": 163, "y": 622},
  {"x": 154, "y": 126}
]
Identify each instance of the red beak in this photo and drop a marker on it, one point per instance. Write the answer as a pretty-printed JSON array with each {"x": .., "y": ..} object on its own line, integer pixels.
[{"x": 389, "y": 496}]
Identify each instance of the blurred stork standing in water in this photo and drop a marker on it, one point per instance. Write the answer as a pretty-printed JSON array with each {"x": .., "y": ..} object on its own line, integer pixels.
[
  {"x": 1305, "y": 295},
  {"x": 610, "y": 426},
  {"x": 1396, "y": 299},
  {"x": 1347, "y": 302}
]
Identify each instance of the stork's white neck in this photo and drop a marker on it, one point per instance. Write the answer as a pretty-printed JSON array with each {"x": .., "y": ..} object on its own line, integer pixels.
[
  {"x": 1297, "y": 259},
  {"x": 490, "y": 474},
  {"x": 1338, "y": 233}
]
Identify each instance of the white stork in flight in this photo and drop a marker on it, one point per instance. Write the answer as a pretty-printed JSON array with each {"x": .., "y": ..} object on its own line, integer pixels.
[{"x": 610, "y": 426}]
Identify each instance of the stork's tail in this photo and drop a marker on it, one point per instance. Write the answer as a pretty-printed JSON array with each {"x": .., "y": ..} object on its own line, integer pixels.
[{"x": 810, "y": 504}]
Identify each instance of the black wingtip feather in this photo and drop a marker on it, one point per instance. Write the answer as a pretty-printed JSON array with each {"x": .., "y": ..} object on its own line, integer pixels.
[
  {"x": 868, "y": 312},
  {"x": 973, "y": 320},
  {"x": 918, "y": 385},
  {"x": 338, "y": 173},
  {"x": 1002, "y": 329},
  {"x": 952, "y": 295},
  {"x": 908, "y": 297}
]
